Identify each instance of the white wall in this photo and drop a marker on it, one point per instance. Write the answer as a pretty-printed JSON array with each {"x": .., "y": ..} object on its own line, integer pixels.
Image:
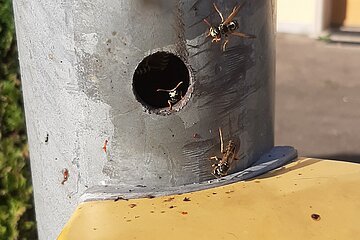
[{"x": 308, "y": 17}]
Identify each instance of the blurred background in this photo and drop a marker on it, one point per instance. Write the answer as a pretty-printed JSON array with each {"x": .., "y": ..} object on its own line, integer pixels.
[
  {"x": 318, "y": 78},
  {"x": 17, "y": 220},
  {"x": 317, "y": 97}
]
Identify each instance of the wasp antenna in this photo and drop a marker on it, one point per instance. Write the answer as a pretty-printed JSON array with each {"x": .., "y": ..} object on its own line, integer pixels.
[
  {"x": 218, "y": 11},
  {"x": 178, "y": 85},
  {"x": 221, "y": 141},
  {"x": 163, "y": 90}
]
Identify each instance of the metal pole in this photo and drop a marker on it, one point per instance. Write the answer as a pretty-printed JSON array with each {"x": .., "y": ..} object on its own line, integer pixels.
[{"x": 93, "y": 109}]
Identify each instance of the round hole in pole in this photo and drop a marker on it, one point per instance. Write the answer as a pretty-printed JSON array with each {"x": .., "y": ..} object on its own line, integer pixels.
[{"x": 161, "y": 81}]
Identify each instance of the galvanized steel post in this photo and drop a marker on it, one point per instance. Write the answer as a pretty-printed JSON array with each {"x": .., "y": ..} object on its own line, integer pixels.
[{"x": 92, "y": 102}]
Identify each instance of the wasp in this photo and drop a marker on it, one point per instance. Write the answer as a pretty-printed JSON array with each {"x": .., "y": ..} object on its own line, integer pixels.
[
  {"x": 226, "y": 27},
  {"x": 221, "y": 168},
  {"x": 174, "y": 95}
]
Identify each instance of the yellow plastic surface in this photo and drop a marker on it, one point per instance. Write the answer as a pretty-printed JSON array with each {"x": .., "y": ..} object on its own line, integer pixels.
[{"x": 278, "y": 205}]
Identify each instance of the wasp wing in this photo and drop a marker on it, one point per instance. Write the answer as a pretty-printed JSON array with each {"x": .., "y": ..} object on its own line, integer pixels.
[
  {"x": 233, "y": 14},
  {"x": 243, "y": 35},
  {"x": 207, "y": 22}
]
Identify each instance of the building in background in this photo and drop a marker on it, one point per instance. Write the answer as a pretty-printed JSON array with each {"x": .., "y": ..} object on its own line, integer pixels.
[{"x": 313, "y": 17}]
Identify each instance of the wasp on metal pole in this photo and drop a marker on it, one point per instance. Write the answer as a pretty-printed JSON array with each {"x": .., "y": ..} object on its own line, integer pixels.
[{"x": 130, "y": 96}]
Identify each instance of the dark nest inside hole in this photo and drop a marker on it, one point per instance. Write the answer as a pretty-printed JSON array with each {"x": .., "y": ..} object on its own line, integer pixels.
[{"x": 160, "y": 70}]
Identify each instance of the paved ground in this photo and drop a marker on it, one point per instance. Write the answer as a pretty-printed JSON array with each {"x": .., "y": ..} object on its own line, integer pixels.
[{"x": 318, "y": 98}]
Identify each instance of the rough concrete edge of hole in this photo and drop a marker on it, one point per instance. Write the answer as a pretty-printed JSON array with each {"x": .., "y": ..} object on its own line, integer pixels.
[{"x": 186, "y": 98}]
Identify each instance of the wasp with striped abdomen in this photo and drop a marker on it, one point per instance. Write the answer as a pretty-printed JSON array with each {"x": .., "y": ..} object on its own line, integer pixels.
[
  {"x": 174, "y": 95},
  {"x": 227, "y": 27},
  {"x": 223, "y": 165}
]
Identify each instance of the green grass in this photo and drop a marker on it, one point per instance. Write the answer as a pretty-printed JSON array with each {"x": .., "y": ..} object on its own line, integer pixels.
[{"x": 17, "y": 220}]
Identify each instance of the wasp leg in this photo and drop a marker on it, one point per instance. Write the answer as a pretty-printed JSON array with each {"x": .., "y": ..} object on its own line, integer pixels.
[
  {"x": 243, "y": 35},
  {"x": 170, "y": 105},
  {"x": 163, "y": 90},
  {"x": 224, "y": 45},
  {"x": 215, "y": 158},
  {"x": 214, "y": 174},
  {"x": 218, "y": 11},
  {"x": 216, "y": 39}
]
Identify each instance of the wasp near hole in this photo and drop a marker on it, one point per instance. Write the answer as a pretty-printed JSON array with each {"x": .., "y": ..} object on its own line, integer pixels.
[
  {"x": 223, "y": 165},
  {"x": 226, "y": 27},
  {"x": 174, "y": 95}
]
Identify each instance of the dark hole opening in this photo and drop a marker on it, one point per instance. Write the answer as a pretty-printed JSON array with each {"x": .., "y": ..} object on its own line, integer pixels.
[{"x": 156, "y": 75}]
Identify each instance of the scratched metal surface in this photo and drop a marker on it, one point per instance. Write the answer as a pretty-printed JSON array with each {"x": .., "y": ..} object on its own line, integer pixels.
[
  {"x": 77, "y": 61},
  {"x": 274, "y": 159},
  {"x": 232, "y": 90}
]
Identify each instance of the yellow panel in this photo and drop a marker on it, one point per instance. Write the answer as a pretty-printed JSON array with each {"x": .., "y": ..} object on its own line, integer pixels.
[
  {"x": 352, "y": 13},
  {"x": 278, "y": 205}
]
